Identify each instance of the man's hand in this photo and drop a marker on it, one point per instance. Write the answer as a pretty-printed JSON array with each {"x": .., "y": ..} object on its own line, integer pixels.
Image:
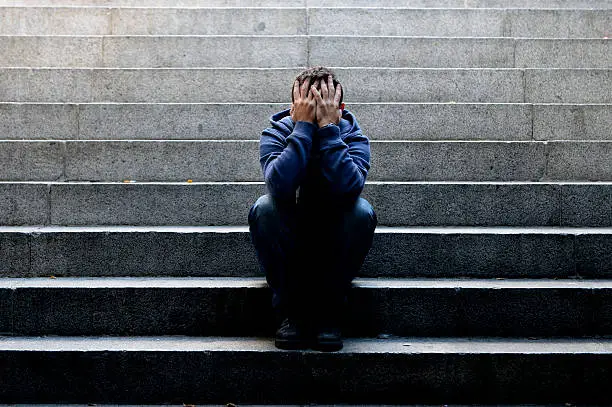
[
  {"x": 328, "y": 102},
  {"x": 303, "y": 108}
]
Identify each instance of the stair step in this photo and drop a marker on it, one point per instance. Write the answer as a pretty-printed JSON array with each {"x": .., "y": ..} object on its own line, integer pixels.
[
  {"x": 238, "y": 160},
  {"x": 227, "y": 203},
  {"x": 242, "y": 306},
  {"x": 575, "y": 23},
  {"x": 273, "y": 85},
  {"x": 251, "y": 370},
  {"x": 546, "y": 4},
  {"x": 175, "y": 251},
  {"x": 403, "y": 121},
  {"x": 345, "y": 51}
]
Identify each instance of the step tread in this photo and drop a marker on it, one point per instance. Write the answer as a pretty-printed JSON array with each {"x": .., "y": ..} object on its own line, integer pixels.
[
  {"x": 260, "y": 282},
  {"x": 495, "y": 230},
  {"x": 407, "y": 345}
]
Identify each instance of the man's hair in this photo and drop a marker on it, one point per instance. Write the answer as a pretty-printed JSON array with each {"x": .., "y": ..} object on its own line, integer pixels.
[{"x": 317, "y": 73}]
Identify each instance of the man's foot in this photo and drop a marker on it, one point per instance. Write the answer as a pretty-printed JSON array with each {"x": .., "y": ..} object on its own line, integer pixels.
[
  {"x": 328, "y": 340},
  {"x": 291, "y": 336}
]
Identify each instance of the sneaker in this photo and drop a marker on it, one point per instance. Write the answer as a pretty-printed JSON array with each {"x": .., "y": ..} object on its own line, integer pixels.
[
  {"x": 290, "y": 336},
  {"x": 328, "y": 340}
]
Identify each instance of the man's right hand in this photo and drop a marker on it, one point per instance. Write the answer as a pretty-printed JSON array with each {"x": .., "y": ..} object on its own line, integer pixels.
[{"x": 304, "y": 107}]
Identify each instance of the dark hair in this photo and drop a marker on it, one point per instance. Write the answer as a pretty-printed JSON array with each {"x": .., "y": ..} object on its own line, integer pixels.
[{"x": 317, "y": 73}]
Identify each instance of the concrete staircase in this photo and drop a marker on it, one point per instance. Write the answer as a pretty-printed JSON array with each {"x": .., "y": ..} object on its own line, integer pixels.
[{"x": 490, "y": 277}]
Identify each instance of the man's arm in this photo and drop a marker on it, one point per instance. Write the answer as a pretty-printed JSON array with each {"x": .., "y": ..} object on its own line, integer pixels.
[
  {"x": 344, "y": 164},
  {"x": 284, "y": 161}
]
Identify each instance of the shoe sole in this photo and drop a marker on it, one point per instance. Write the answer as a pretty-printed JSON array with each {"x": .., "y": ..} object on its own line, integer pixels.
[
  {"x": 331, "y": 346},
  {"x": 287, "y": 344}
]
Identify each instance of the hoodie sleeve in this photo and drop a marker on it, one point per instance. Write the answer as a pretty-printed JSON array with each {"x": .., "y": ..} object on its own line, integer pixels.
[
  {"x": 345, "y": 163},
  {"x": 283, "y": 160}
]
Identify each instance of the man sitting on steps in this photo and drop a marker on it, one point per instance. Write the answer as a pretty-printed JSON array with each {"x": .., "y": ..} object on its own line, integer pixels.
[{"x": 310, "y": 249}]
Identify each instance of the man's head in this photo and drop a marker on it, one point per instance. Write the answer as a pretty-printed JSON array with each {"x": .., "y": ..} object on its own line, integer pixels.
[{"x": 315, "y": 75}]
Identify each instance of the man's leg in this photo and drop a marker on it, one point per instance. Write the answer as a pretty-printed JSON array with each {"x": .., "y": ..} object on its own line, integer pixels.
[
  {"x": 273, "y": 228},
  {"x": 345, "y": 239}
]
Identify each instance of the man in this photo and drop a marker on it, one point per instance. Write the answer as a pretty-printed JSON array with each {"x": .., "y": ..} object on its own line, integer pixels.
[{"x": 312, "y": 248}]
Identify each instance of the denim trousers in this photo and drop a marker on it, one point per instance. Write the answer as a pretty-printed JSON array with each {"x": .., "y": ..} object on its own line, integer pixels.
[{"x": 310, "y": 255}]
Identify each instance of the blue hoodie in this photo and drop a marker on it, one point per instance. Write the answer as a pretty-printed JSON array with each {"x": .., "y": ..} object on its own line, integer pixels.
[{"x": 329, "y": 165}]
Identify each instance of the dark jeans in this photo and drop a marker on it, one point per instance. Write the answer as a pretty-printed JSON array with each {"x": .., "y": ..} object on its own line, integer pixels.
[{"x": 310, "y": 256}]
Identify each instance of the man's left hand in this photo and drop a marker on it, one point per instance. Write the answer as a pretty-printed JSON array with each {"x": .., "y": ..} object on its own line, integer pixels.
[{"x": 328, "y": 102}]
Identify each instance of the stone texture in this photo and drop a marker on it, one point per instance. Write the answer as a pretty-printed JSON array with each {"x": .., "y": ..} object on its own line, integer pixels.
[
  {"x": 579, "y": 161},
  {"x": 253, "y": 51},
  {"x": 593, "y": 256},
  {"x": 531, "y": 4},
  {"x": 144, "y": 254},
  {"x": 203, "y": 21},
  {"x": 15, "y": 255},
  {"x": 412, "y": 52},
  {"x": 407, "y": 22},
  {"x": 568, "y": 86},
  {"x": 586, "y": 205},
  {"x": 565, "y": 4},
  {"x": 481, "y": 255},
  {"x": 560, "y": 23},
  {"x": 42, "y": 121},
  {"x": 449, "y": 121},
  {"x": 6, "y": 311},
  {"x": 31, "y": 161},
  {"x": 143, "y": 311},
  {"x": 182, "y": 121},
  {"x": 574, "y": 122},
  {"x": 563, "y": 53},
  {"x": 458, "y": 161},
  {"x": 54, "y": 21},
  {"x": 23, "y": 204},
  {"x": 152, "y": 204},
  {"x": 46, "y": 85},
  {"x": 444, "y": 204},
  {"x": 252, "y": 85},
  {"x": 27, "y": 51},
  {"x": 163, "y": 161},
  {"x": 366, "y": 374}
]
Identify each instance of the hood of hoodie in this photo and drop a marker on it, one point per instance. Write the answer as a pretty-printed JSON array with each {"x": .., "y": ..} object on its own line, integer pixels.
[{"x": 282, "y": 122}]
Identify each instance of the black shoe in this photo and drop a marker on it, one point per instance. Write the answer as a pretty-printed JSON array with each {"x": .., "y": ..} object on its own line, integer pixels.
[
  {"x": 291, "y": 336},
  {"x": 328, "y": 340}
]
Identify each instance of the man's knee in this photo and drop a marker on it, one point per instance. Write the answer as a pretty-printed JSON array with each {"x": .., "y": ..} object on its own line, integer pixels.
[
  {"x": 363, "y": 213},
  {"x": 264, "y": 207}
]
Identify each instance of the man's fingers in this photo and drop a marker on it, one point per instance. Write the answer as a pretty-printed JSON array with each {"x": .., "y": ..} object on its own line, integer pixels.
[
  {"x": 330, "y": 86},
  {"x": 304, "y": 89},
  {"x": 324, "y": 90},
  {"x": 338, "y": 95},
  {"x": 296, "y": 90},
  {"x": 316, "y": 94}
]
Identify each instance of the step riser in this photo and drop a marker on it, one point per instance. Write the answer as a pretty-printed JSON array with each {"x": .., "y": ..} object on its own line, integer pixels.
[
  {"x": 364, "y": 85},
  {"x": 249, "y": 85},
  {"x": 315, "y": 21},
  {"x": 563, "y": 4},
  {"x": 150, "y": 254},
  {"x": 147, "y": 21},
  {"x": 228, "y": 204},
  {"x": 239, "y": 161},
  {"x": 402, "y": 122},
  {"x": 266, "y": 378},
  {"x": 143, "y": 52},
  {"x": 247, "y": 311}
]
